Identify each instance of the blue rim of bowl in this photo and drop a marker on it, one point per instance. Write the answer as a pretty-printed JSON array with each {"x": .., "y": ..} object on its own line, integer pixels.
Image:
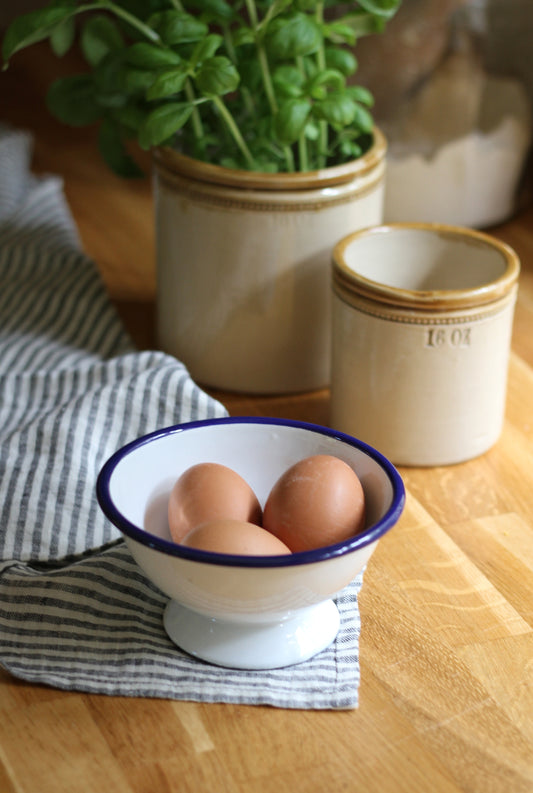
[{"x": 369, "y": 535}]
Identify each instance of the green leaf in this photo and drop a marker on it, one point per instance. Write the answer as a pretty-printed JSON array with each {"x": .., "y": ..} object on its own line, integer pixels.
[
  {"x": 114, "y": 152},
  {"x": 109, "y": 80},
  {"x": 130, "y": 117},
  {"x": 229, "y": 162},
  {"x": 178, "y": 27},
  {"x": 312, "y": 130},
  {"x": 218, "y": 8},
  {"x": 251, "y": 76},
  {"x": 62, "y": 36},
  {"x": 381, "y": 8},
  {"x": 361, "y": 94},
  {"x": 340, "y": 33},
  {"x": 163, "y": 122},
  {"x": 151, "y": 56},
  {"x": 217, "y": 76},
  {"x": 306, "y": 5},
  {"x": 293, "y": 36},
  {"x": 71, "y": 100},
  {"x": 138, "y": 81},
  {"x": 291, "y": 119},
  {"x": 275, "y": 9},
  {"x": 350, "y": 150},
  {"x": 167, "y": 83},
  {"x": 337, "y": 109},
  {"x": 33, "y": 27},
  {"x": 311, "y": 67},
  {"x": 288, "y": 81},
  {"x": 264, "y": 165},
  {"x": 353, "y": 26},
  {"x": 363, "y": 119},
  {"x": 99, "y": 37},
  {"x": 341, "y": 59},
  {"x": 243, "y": 35},
  {"x": 205, "y": 49},
  {"x": 327, "y": 79}
]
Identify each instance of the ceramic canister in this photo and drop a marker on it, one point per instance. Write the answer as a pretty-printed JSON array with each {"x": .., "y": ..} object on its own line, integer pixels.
[
  {"x": 422, "y": 321},
  {"x": 243, "y": 281}
]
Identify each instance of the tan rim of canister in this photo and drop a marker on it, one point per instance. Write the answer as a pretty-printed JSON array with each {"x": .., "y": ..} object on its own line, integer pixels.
[
  {"x": 348, "y": 283},
  {"x": 167, "y": 159}
]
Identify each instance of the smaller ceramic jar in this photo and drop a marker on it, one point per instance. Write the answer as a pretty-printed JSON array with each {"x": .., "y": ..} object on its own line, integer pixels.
[{"x": 422, "y": 321}]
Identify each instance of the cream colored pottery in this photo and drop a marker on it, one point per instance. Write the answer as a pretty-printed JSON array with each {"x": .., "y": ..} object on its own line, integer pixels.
[
  {"x": 422, "y": 320},
  {"x": 243, "y": 278}
]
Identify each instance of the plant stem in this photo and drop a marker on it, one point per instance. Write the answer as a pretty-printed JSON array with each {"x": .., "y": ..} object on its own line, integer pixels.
[
  {"x": 234, "y": 130},
  {"x": 265, "y": 74},
  {"x": 228, "y": 41},
  {"x": 289, "y": 158},
  {"x": 302, "y": 153},
  {"x": 196, "y": 119},
  {"x": 302, "y": 141},
  {"x": 321, "y": 60},
  {"x": 230, "y": 47},
  {"x": 269, "y": 88},
  {"x": 126, "y": 16},
  {"x": 263, "y": 61}
]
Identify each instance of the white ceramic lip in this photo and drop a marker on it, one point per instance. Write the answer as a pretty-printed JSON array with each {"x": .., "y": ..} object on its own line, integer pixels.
[
  {"x": 431, "y": 299},
  {"x": 369, "y": 535}
]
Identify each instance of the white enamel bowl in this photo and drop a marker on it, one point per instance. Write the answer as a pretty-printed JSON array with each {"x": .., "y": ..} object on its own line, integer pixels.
[{"x": 245, "y": 612}]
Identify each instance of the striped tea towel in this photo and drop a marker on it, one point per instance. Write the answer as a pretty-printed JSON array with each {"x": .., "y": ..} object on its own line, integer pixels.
[{"x": 75, "y": 610}]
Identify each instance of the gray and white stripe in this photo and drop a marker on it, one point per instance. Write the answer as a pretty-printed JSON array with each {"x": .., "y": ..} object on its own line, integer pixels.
[
  {"x": 75, "y": 610},
  {"x": 96, "y": 626}
]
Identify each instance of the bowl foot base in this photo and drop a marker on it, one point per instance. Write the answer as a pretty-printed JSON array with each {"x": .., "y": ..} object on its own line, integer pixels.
[{"x": 242, "y": 645}]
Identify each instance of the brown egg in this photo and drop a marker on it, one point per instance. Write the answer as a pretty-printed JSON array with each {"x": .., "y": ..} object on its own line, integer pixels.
[
  {"x": 318, "y": 501},
  {"x": 236, "y": 537},
  {"x": 210, "y": 491}
]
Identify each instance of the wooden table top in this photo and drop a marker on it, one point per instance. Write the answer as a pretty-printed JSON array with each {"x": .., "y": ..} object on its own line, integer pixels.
[{"x": 446, "y": 650}]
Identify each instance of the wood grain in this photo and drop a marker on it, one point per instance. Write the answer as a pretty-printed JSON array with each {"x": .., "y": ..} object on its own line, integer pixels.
[{"x": 446, "y": 698}]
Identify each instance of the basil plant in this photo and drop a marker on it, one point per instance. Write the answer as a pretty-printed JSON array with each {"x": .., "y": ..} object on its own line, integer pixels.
[{"x": 264, "y": 85}]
